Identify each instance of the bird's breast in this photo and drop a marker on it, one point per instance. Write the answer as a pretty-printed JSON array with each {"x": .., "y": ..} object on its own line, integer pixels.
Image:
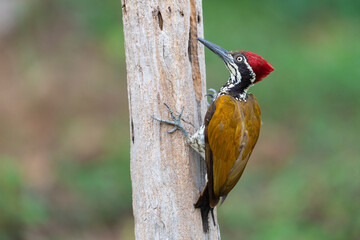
[{"x": 231, "y": 135}]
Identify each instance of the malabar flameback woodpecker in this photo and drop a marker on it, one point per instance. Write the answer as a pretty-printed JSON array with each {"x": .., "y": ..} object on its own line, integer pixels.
[{"x": 231, "y": 126}]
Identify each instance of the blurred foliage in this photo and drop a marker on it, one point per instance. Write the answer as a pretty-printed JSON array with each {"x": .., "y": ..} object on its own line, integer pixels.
[
  {"x": 19, "y": 206},
  {"x": 101, "y": 189},
  {"x": 302, "y": 181}
]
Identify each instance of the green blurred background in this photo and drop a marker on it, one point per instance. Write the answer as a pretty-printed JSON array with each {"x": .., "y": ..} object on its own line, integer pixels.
[{"x": 64, "y": 142}]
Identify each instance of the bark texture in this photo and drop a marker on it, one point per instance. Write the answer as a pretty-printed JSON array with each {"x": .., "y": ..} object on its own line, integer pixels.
[{"x": 165, "y": 64}]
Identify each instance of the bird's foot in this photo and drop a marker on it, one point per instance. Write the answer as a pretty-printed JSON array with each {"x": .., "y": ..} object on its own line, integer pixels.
[
  {"x": 176, "y": 121},
  {"x": 212, "y": 95}
]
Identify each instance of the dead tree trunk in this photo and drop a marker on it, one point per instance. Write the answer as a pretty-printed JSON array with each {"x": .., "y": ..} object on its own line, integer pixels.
[{"x": 165, "y": 64}]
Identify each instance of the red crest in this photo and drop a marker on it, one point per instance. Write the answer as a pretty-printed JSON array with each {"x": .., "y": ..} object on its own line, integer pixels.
[{"x": 259, "y": 65}]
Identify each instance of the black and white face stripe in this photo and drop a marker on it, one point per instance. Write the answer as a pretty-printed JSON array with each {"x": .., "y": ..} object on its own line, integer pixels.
[
  {"x": 242, "y": 76},
  {"x": 252, "y": 74},
  {"x": 244, "y": 67},
  {"x": 235, "y": 75}
]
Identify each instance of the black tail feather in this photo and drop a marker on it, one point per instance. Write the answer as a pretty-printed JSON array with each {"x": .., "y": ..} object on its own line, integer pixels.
[{"x": 204, "y": 204}]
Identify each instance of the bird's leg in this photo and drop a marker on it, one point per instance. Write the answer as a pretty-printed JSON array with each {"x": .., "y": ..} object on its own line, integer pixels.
[
  {"x": 212, "y": 95},
  {"x": 196, "y": 141},
  {"x": 176, "y": 121}
]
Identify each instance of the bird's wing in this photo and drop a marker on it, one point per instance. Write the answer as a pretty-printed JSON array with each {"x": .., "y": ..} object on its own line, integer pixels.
[
  {"x": 250, "y": 135},
  {"x": 231, "y": 137}
]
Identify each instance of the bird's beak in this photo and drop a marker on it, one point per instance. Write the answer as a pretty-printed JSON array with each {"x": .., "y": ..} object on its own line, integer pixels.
[{"x": 221, "y": 52}]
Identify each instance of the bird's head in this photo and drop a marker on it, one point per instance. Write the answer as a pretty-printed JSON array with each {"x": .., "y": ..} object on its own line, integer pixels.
[{"x": 246, "y": 68}]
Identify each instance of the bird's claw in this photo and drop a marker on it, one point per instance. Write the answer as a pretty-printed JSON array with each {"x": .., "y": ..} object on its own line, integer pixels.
[
  {"x": 212, "y": 95},
  {"x": 176, "y": 121},
  {"x": 172, "y": 130}
]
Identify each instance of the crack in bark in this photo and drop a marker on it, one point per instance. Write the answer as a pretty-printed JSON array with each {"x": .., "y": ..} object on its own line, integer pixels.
[
  {"x": 160, "y": 19},
  {"x": 189, "y": 46},
  {"x": 132, "y": 131},
  {"x": 193, "y": 51}
]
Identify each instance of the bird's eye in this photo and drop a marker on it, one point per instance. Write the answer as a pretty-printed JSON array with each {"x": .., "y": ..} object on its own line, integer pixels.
[{"x": 239, "y": 59}]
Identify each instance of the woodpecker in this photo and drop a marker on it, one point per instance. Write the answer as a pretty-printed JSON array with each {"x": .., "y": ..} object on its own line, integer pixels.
[{"x": 231, "y": 126}]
